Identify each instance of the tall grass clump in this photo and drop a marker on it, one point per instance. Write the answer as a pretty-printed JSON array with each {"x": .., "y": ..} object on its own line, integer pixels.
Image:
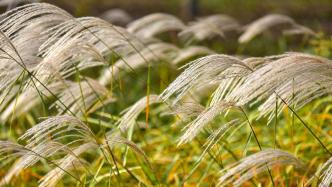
[{"x": 88, "y": 103}]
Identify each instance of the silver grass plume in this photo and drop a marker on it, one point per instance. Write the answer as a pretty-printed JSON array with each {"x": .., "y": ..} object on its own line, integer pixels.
[
  {"x": 18, "y": 58},
  {"x": 217, "y": 134},
  {"x": 22, "y": 30},
  {"x": 117, "y": 16},
  {"x": 202, "y": 120},
  {"x": 29, "y": 98},
  {"x": 190, "y": 52},
  {"x": 209, "y": 27},
  {"x": 114, "y": 138},
  {"x": 10, "y": 4},
  {"x": 187, "y": 110},
  {"x": 85, "y": 40},
  {"x": 13, "y": 149},
  {"x": 226, "y": 86},
  {"x": 43, "y": 141},
  {"x": 281, "y": 76},
  {"x": 324, "y": 174},
  {"x": 29, "y": 156},
  {"x": 200, "y": 72},
  {"x": 271, "y": 21},
  {"x": 80, "y": 97},
  {"x": 23, "y": 38},
  {"x": 94, "y": 31},
  {"x": 153, "y": 24},
  {"x": 154, "y": 52},
  {"x": 39, "y": 15},
  {"x": 64, "y": 61},
  {"x": 12, "y": 64},
  {"x": 130, "y": 114},
  {"x": 254, "y": 164},
  {"x": 55, "y": 128},
  {"x": 297, "y": 93},
  {"x": 18, "y": 55},
  {"x": 70, "y": 162}
]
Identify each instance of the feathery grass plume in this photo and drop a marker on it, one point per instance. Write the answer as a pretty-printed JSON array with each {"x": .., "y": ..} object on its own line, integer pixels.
[
  {"x": 323, "y": 173},
  {"x": 226, "y": 86},
  {"x": 190, "y": 52},
  {"x": 12, "y": 64},
  {"x": 200, "y": 93},
  {"x": 117, "y": 16},
  {"x": 184, "y": 112},
  {"x": 27, "y": 42},
  {"x": 273, "y": 21},
  {"x": 217, "y": 134},
  {"x": 194, "y": 127},
  {"x": 18, "y": 54},
  {"x": 254, "y": 164},
  {"x": 153, "y": 24},
  {"x": 43, "y": 141},
  {"x": 200, "y": 72},
  {"x": 13, "y": 149},
  {"x": 85, "y": 40},
  {"x": 17, "y": 57},
  {"x": 154, "y": 52},
  {"x": 69, "y": 41},
  {"x": 209, "y": 27},
  {"x": 312, "y": 73},
  {"x": 187, "y": 110},
  {"x": 22, "y": 30},
  {"x": 10, "y": 4},
  {"x": 66, "y": 60},
  {"x": 94, "y": 31},
  {"x": 69, "y": 162},
  {"x": 39, "y": 15},
  {"x": 114, "y": 138},
  {"x": 130, "y": 114},
  {"x": 22, "y": 36},
  {"x": 15, "y": 107},
  {"x": 297, "y": 92},
  {"x": 77, "y": 138},
  {"x": 55, "y": 128},
  {"x": 81, "y": 96},
  {"x": 30, "y": 156}
]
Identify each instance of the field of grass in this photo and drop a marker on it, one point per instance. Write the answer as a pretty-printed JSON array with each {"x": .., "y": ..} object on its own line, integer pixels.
[{"x": 163, "y": 102}]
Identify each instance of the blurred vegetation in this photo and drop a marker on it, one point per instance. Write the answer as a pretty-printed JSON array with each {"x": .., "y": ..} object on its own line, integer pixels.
[
  {"x": 314, "y": 12},
  {"x": 173, "y": 165}
]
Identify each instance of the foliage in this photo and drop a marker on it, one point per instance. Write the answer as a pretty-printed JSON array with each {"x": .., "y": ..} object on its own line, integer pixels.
[{"x": 162, "y": 102}]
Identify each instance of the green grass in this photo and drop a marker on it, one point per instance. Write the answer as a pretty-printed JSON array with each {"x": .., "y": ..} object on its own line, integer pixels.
[{"x": 305, "y": 132}]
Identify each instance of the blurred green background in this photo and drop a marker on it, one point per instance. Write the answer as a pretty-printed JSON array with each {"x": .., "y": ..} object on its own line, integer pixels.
[{"x": 315, "y": 13}]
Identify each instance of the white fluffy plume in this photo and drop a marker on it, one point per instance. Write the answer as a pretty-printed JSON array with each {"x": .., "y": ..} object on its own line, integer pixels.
[
  {"x": 153, "y": 24},
  {"x": 256, "y": 163},
  {"x": 273, "y": 21},
  {"x": 297, "y": 78},
  {"x": 151, "y": 54},
  {"x": 200, "y": 72},
  {"x": 209, "y": 27},
  {"x": 129, "y": 117}
]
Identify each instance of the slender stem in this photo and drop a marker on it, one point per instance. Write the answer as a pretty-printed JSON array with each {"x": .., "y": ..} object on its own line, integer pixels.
[
  {"x": 113, "y": 159},
  {"x": 306, "y": 126},
  {"x": 147, "y": 108},
  {"x": 259, "y": 145},
  {"x": 50, "y": 161},
  {"x": 276, "y": 123},
  {"x": 293, "y": 117}
]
